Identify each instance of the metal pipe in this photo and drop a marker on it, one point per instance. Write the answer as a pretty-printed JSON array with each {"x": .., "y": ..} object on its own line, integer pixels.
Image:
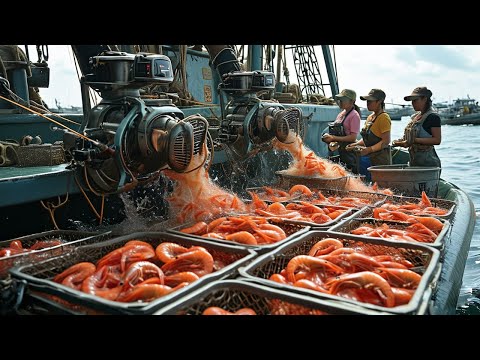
[
  {"x": 279, "y": 62},
  {"x": 256, "y": 57},
  {"x": 332, "y": 76}
]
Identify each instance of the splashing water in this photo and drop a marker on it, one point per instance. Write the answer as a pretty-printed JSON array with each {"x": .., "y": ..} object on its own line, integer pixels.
[{"x": 195, "y": 197}]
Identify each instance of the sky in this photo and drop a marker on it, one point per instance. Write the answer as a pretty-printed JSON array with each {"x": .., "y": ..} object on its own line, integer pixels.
[{"x": 449, "y": 71}]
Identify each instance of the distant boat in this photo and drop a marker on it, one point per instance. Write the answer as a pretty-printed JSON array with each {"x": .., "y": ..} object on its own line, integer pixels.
[
  {"x": 461, "y": 112},
  {"x": 396, "y": 113},
  {"x": 69, "y": 110}
]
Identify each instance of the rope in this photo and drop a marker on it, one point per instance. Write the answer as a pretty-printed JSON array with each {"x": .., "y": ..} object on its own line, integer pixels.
[
  {"x": 54, "y": 121},
  {"x": 99, "y": 216},
  {"x": 50, "y": 207},
  {"x": 396, "y": 152}
]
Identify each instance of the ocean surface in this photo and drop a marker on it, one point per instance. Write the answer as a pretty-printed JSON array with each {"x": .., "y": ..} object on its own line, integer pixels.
[{"x": 461, "y": 166}]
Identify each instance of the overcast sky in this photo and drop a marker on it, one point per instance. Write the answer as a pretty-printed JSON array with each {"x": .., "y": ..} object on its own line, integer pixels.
[{"x": 449, "y": 71}]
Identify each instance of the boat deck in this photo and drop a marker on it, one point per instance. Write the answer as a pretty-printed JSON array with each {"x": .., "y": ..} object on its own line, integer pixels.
[{"x": 16, "y": 183}]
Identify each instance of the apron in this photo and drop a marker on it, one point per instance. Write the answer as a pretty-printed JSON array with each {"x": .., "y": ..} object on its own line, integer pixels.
[
  {"x": 420, "y": 154},
  {"x": 382, "y": 157},
  {"x": 346, "y": 157}
]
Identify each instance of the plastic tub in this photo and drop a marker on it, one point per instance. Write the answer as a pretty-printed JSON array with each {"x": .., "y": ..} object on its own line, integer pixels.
[
  {"x": 407, "y": 180},
  {"x": 287, "y": 181}
]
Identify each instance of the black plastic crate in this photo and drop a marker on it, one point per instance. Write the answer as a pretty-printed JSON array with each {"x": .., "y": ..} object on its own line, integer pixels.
[
  {"x": 39, "y": 276},
  {"x": 424, "y": 258},
  {"x": 232, "y": 295},
  {"x": 372, "y": 199},
  {"x": 292, "y": 230},
  {"x": 448, "y": 205},
  {"x": 70, "y": 238},
  {"x": 362, "y": 218}
]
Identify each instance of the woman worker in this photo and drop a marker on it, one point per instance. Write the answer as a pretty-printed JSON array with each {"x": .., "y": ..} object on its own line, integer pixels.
[
  {"x": 345, "y": 128},
  {"x": 375, "y": 140},
  {"x": 423, "y": 131}
]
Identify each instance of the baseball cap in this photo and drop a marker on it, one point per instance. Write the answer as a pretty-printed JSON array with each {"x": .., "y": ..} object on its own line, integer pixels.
[
  {"x": 418, "y": 92},
  {"x": 374, "y": 94},
  {"x": 346, "y": 94}
]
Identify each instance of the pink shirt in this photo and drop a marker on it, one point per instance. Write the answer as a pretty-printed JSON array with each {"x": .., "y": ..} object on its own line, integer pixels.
[{"x": 351, "y": 123}]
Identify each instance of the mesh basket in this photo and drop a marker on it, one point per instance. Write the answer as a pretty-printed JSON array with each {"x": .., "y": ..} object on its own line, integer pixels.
[
  {"x": 448, "y": 205},
  {"x": 291, "y": 230},
  {"x": 363, "y": 217},
  {"x": 424, "y": 258},
  {"x": 38, "y": 276},
  {"x": 335, "y": 197},
  {"x": 232, "y": 295},
  {"x": 40, "y": 155},
  {"x": 70, "y": 238},
  {"x": 287, "y": 181}
]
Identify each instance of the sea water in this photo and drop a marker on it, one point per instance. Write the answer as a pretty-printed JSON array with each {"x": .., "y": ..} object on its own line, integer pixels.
[{"x": 461, "y": 166}]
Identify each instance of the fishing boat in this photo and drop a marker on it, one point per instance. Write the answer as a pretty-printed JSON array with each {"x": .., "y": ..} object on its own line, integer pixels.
[
  {"x": 462, "y": 111},
  {"x": 159, "y": 107}
]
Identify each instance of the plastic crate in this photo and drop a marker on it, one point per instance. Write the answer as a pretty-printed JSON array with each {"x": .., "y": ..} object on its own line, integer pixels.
[
  {"x": 71, "y": 240},
  {"x": 424, "y": 258},
  {"x": 440, "y": 203},
  {"x": 362, "y": 218},
  {"x": 292, "y": 231},
  {"x": 38, "y": 276},
  {"x": 372, "y": 199},
  {"x": 232, "y": 295}
]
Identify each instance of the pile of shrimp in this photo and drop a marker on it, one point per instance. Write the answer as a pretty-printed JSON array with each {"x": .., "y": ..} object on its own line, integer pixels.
[
  {"x": 275, "y": 307},
  {"x": 300, "y": 211},
  {"x": 16, "y": 247},
  {"x": 423, "y": 207},
  {"x": 316, "y": 197},
  {"x": 281, "y": 307},
  {"x": 195, "y": 197},
  {"x": 215, "y": 310},
  {"x": 138, "y": 272},
  {"x": 421, "y": 228},
  {"x": 268, "y": 193},
  {"x": 244, "y": 229},
  {"x": 306, "y": 163},
  {"x": 331, "y": 268}
]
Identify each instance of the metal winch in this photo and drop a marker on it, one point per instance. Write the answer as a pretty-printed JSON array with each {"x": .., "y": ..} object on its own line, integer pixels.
[
  {"x": 133, "y": 138},
  {"x": 249, "y": 123}
]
